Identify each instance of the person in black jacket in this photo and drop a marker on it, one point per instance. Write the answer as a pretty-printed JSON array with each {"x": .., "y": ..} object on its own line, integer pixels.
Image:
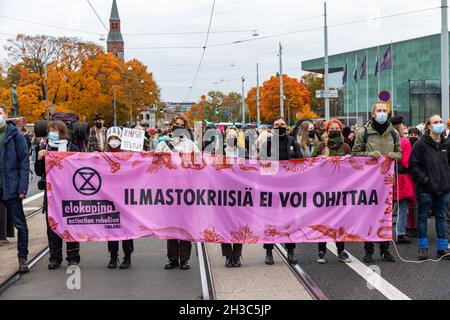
[
  {"x": 288, "y": 148},
  {"x": 429, "y": 165},
  {"x": 58, "y": 141}
]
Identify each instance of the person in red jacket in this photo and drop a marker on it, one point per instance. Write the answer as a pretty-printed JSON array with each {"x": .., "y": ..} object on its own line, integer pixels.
[{"x": 404, "y": 187}]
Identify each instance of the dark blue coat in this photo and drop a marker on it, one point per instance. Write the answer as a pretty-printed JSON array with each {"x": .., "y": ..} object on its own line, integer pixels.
[{"x": 15, "y": 163}]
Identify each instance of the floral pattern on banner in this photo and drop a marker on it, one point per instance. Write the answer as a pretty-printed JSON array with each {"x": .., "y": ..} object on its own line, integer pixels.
[
  {"x": 113, "y": 165},
  {"x": 55, "y": 160},
  {"x": 167, "y": 233},
  {"x": 299, "y": 165},
  {"x": 271, "y": 231},
  {"x": 210, "y": 235},
  {"x": 338, "y": 234},
  {"x": 161, "y": 160},
  {"x": 244, "y": 235}
]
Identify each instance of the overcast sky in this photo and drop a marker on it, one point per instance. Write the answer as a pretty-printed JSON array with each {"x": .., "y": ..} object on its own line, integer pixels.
[{"x": 174, "y": 69}]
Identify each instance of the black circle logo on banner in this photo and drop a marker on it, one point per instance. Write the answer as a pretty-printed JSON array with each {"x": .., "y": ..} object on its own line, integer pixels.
[{"x": 87, "y": 181}]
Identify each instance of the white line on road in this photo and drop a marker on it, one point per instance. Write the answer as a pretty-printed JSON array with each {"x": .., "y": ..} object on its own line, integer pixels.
[
  {"x": 373, "y": 278},
  {"x": 32, "y": 198}
]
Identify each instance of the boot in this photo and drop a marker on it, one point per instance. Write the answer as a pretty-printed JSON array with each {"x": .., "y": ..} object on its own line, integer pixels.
[
  {"x": 291, "y": 256},
  {"x": 269, "y": 257},
  {"x": 237, "y": 262},
  {"x": 228, "y": 262},
  {"x": 54, "y": 264},
  {"x": 113, "y": 262},
  {"x": 126, "y": 263},
  {"x": 23, "y": 266}
]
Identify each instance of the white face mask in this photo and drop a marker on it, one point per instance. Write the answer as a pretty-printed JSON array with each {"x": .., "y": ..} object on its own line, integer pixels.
[{"x": 114, "y": 143}]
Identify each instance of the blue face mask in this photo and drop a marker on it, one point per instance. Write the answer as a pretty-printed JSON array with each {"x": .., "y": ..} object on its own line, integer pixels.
[
  {"x": 53, "y": 136},
  {"x": 438, "y": 128},
  {"x": 2, "y": 120},
  {"x": 381, "y": 117}
]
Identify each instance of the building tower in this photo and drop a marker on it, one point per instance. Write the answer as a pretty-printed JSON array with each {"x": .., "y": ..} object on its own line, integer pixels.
[{"x": 115, "y": 43}]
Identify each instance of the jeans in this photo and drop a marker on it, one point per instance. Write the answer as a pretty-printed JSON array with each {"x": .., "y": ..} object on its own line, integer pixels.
[
  {"x": 231, "y": 250},
  {"x": 339, "y": 245},
  {"x": 440, "y": 203},
  {"x": 403, "y": 207},
  {"x": 179, "y": 250},
  {"x": 55, "y": 245},
  {"x": 14, "y": 210},
  {"x": 288, "y": 246},
  {"x": 127, "y": 246}
]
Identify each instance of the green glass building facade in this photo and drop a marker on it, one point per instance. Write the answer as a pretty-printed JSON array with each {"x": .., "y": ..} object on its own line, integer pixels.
[{"x": 414, "y": 81}]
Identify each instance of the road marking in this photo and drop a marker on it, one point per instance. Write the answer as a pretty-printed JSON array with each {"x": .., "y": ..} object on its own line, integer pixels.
[
  {"x": 32, "y": 198},
  {"x": 31, "y": 208},
  {"x": 373, "y": 278}
]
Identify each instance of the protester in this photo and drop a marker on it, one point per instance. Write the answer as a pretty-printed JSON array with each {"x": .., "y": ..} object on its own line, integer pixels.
[
  {"x": 113, "y": 142},
  {"x": 15, "y": 168},
  {"x": 447, "y": 132},
  {"x": 58, "y": 141},
  {"x": 97, "y": 135},
  {"x": 232, "y": 252},
  {"x": 346, "y": 133},
  {"x": 178, "y": 251},
  {"x": 320, "y": 127},
  {"x": 264, "y": 134},
  {"x": 376, "y": 138},
  {"x": 404, "y": 187},
  {"x": 335, "y": 146},
  {"x": 414, "y": 135},
  {"x": 429, "y": 166},
  {"x": 288, "y": 148},
  {"x": 307, "y": 138}
]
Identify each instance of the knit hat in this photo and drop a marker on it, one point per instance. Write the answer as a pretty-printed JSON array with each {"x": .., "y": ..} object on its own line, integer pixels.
[
  {"x": 329, "y": 123},
  {"x": 99, "y": 116},
  {"x": 114, "y": 132}
]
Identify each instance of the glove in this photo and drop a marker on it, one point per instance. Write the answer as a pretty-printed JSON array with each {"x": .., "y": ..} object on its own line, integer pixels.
[
  {"x": 392, "y": 155},
  {"x": 374, "y": 154}
]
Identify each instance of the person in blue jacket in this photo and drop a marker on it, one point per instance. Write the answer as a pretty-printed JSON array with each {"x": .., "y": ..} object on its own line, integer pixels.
[{"x": 15, "y": 168}]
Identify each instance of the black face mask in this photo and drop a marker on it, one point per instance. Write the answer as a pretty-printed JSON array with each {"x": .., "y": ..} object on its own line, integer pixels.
[
  {"x": 174, "y": 127},
  {"x": 231, "y": 142},
  {"x": 334, "y": 134},
  {"x": 312, "y": 133},
  {"x": 281, "y": 131},
  {"x": 413, "y": 140},
  {"x": 98, "y": 125}
]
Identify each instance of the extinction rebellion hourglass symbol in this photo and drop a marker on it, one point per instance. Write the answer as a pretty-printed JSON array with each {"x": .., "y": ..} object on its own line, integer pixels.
[{"x": 87, "y": 181}]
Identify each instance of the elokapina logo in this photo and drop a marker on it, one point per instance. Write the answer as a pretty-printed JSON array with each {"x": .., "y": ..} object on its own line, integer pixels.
[{"x": 88, "y": 182}]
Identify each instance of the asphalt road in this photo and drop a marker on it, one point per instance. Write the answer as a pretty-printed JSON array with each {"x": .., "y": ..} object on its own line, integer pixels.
[{"x": 146, "y": 279}]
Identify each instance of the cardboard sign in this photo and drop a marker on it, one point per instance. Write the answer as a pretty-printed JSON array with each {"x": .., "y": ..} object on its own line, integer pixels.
[{"x": 132, "y": 140}]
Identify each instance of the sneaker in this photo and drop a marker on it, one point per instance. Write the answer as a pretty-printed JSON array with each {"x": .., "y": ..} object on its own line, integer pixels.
[
  {"x": 444, "y": 254},
  {"x": 402, "y": 240},
  {"x": 237, "y": 262},
  {"x": 412, "y": 233},
  {"x": 291, "y": 257},
  {"x": 269, "y": 258},
  {"x": 423, "y": 254},
  {"x": 171, "y": 265},
  {"x": 343, "y": 256},
  {"x": 113, "y": 263},
  {"x": 321, "y": 257},
  {"x": 23, "y": 266},
  {"x": 126, "y": 263},
  {"x": 228, "y": 262},
  {"x": 387, "y": 256},
  {"x": 4, "y": 242},
  {"x": 52, "y": 265},
  {"x": 368, "y": 258},
  {"x": 185, "y": 265},
  {"x": 73, "y": 263}
]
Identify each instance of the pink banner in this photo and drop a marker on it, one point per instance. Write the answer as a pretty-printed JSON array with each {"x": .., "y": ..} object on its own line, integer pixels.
[{"x": 118, "y": 196}]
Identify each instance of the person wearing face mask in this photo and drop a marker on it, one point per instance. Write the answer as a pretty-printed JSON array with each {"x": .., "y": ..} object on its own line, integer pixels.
[
  {"x": 375, "y": 139},
  {"x": 97, "y": 135},
  {"x": 178, "y": 251},
  {"x": 429, "y": 165},
  {"x": 335, "y": 146},
  {"x": 58, "y": 141},
  {"x": 287, "y": 148},
  {"x": 307, "y": 139},
  {"x": 404, "y": 188},
  {"x": 113, "y": 142},
  {"x": 232, "y": 151},
  {"x": 413, "y": 135},
  {"x": 411, "y": 227},
  {"x": 14, "y": 174}
]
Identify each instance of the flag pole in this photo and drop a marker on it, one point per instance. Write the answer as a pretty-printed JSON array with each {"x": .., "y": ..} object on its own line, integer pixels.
[
  {"x": 392, "y": 79},
  {"x": 378, "y": 71},
  {"x": 357, "y": 93},
  {"x": 367, "y": 84},
  {"x": 348, "y": 106}
]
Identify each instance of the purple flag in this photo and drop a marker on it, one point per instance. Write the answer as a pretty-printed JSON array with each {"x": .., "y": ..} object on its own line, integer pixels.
[
  {"x": 364, "y": 68},
  {"x": 344, "y": 77},
  {"x": 377, "y": 68},
  {"x": 355, "y": 73},
  {"x": 386, "y": 64}
]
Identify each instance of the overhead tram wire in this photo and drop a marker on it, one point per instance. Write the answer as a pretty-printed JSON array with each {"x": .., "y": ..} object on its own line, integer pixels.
[
  {"x": 321, "y": 27},
  {"x": 100, "y": 19},
  {"x": 204, "y": 51}
]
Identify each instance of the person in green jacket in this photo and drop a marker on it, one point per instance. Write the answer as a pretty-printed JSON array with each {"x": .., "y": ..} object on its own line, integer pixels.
[{"x": 378, "y": 138}]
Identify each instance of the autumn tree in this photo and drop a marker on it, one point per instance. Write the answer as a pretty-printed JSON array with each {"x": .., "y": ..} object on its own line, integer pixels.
[
  {"x": 314, "y": 82},
  {"x": 296, "y": 103}
]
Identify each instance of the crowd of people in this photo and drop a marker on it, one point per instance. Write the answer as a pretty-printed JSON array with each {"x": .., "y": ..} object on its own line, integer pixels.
[{"x": 421, "y": 153}]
